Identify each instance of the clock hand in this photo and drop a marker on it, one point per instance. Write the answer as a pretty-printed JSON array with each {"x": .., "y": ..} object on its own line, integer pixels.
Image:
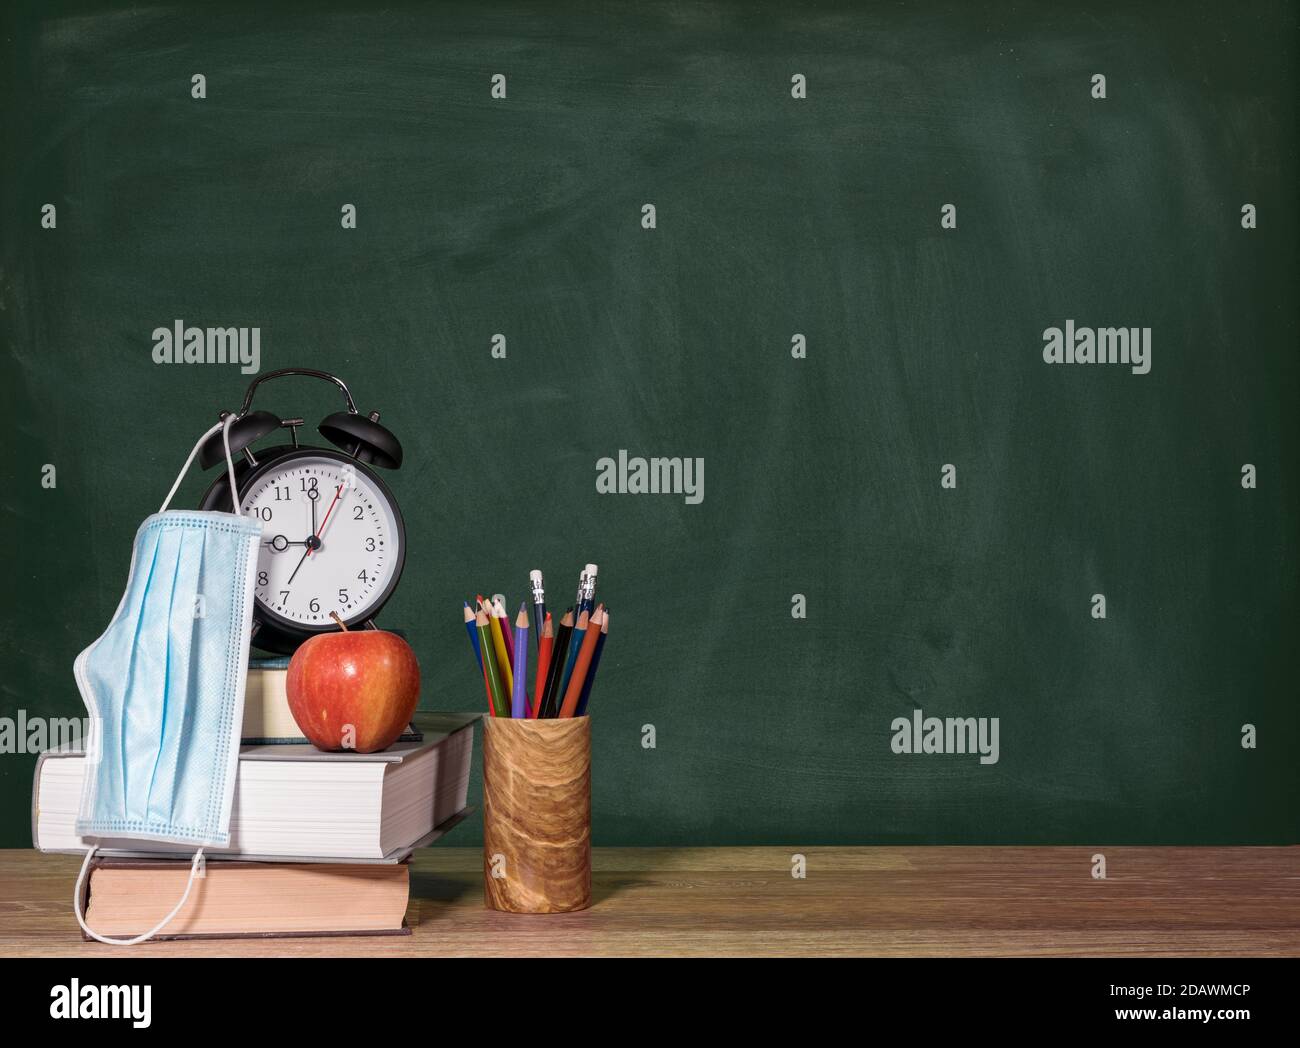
[
  {"x": 312, "y": 542},
  {"x": 279, "y": 543},
  {"x": 316, "y": 535},
  {"x": 305, "y": 555}
]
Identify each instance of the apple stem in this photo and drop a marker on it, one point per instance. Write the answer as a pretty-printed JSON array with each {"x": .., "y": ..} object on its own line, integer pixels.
[{"x": 335, "y": 616}]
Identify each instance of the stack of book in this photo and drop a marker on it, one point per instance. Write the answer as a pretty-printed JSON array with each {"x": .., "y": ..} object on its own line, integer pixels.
[{"x": 319, "y": 842}]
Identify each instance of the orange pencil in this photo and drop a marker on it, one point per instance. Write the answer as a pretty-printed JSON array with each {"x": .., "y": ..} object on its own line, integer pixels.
[
  {"x": 584, "y": 660},
  {"x": 543, "y": 664}
]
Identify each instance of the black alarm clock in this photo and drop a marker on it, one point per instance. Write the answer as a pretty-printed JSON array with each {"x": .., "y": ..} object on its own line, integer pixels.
[{"x": 333, "y": 539}]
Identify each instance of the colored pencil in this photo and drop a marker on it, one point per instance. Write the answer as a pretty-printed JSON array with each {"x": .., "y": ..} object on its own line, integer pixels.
[
  {"x": 490, "y": 672},
  {"x": 539, "y": 604},
  {"x": 579, "y": 675},
  {"x": 518, "y": 699},
  {"x": 589, "y": 589},
  {"x": 499, "y": 608},
  {"x": 579, "y": 606},
  {"x": 580, "y": 632},
  {"x": 582, "y": 591},
  {"x": 568, "y": 652},
  {"x": 581, "y": 711},
  {"x": 543, "y": 664},
  {"x": 473, "y": 634},
  {"x": 492, "y": 710},
  {"x": 499, "y": 647},
  {"x": 559, "y": 647}
]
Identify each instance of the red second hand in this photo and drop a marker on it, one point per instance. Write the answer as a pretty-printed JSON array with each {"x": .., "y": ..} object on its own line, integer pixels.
[{"x": 337, "y": 493}]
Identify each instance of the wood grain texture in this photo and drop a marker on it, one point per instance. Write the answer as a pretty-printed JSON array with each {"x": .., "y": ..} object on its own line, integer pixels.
[
  {"x": 537, "y": 814},
  {"x": 743, "y": 901}
]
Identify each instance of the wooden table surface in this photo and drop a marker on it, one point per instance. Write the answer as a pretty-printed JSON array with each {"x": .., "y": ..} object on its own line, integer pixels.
[{"x": 743, "y": 902}]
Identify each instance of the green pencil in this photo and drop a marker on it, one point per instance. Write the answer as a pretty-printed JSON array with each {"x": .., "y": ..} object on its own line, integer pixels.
[{"x": 495, "y": 687}]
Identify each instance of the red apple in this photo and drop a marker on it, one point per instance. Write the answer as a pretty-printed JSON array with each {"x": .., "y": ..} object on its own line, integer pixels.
[{"x": 353, "y": 690}]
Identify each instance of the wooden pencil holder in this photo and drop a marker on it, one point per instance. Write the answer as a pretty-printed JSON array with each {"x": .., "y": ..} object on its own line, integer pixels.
[{"x": 537, "y": 814}]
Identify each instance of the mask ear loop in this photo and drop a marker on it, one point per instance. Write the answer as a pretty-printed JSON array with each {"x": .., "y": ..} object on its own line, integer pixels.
[
  {"x": 81, "y": 920},
  {"x": 224, "y": 426}
]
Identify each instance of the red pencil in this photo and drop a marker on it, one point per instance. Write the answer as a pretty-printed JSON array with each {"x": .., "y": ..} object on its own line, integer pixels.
[{"x": 543, "y": 664}]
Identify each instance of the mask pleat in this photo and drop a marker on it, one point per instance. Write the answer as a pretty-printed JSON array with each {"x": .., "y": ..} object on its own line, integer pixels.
[
  {"x": 205, "y": 682},
  {"x": 184, "y": 607},
  {"x": 120, "y": 644},
  {"x": 193, "y": 679}
]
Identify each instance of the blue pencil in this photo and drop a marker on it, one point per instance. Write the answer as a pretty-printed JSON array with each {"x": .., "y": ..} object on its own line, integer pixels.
[
  {"x": 579, "y": 606},
  {"x": 591, "y": 673},
  {"x": 519, "y": 700},
  {"x": 539, "y": 605},
  {"x": 473, "y": 638},
  {"x": 579, "y": 631},
  {"x": 586, "y": 602}
]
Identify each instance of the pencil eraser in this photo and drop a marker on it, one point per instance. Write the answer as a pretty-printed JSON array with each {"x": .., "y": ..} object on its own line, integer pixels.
[
  {"x": 535, "y": 576},
  {"x": 591, "y": 570}
]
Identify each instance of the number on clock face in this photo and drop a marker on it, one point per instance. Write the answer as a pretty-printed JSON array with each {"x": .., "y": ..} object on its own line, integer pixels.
[{"x": 329, "y": 538}]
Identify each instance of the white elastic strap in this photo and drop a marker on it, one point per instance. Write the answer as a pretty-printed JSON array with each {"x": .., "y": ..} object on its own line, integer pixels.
[
  {"x": 224, "y": 426},
  {"x": 81, "y": 920}
]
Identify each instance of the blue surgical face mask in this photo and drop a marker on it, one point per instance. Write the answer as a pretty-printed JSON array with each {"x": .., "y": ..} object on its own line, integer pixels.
[{"x": 164, "y": 685}]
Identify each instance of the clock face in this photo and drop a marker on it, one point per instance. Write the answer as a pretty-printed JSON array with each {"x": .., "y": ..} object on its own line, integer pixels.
[{"x": 331, "y": 540}]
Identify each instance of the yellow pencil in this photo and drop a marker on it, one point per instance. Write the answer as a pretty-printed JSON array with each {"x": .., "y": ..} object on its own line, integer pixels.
[{"x": 499, "y": 646}]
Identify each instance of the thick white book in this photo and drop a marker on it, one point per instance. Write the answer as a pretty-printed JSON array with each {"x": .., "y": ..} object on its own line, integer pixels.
[{"x": 297, "y": 803}]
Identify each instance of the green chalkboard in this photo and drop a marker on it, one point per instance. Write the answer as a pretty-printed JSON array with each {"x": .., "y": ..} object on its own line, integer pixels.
[{"x": 865, "y": 219}]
